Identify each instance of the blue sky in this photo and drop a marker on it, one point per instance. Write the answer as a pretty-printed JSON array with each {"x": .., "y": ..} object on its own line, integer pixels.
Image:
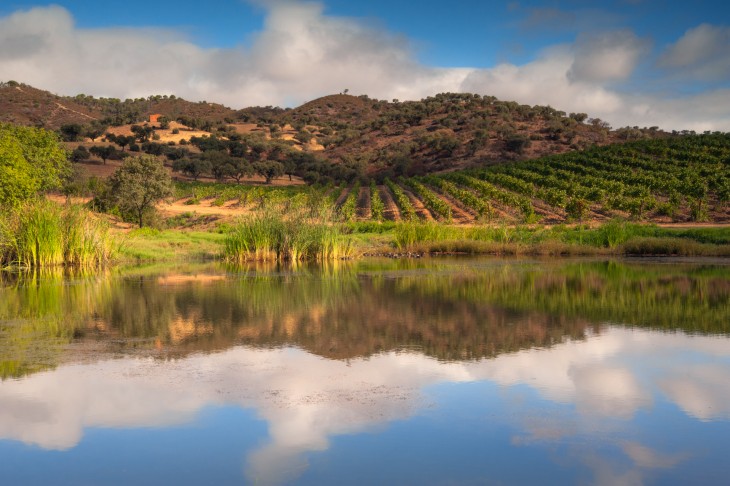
[{"x": 632, "y": 62}]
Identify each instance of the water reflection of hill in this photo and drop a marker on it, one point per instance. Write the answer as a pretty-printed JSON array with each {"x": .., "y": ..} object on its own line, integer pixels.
[{"x": 451, "y": 310}]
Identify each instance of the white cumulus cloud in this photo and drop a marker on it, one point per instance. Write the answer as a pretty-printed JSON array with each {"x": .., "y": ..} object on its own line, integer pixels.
[
  {"x": 702, "y": 52},
  {"x": 610, "y": 56},
  {"x": 302, "y": 53}
]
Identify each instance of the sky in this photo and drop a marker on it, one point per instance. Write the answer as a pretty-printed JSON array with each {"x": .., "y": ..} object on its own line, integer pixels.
[{"x": 629, "y": 62}]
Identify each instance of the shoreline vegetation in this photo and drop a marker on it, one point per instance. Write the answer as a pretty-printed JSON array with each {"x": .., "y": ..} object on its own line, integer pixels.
[
  {"x": 268, "y": 237},
  {"x": 42, "y": 233},
  {"x": 600, "y": 201}
]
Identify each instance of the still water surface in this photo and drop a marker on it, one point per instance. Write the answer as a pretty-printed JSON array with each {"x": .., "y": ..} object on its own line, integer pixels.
[{"x": 437, "y": 371}]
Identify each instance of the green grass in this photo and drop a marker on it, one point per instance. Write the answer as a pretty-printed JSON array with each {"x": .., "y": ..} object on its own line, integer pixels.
[
  {"x": 270, "y": 236},
  {"x": 287, "y": 236},
  {"x": 41, "y": 233},
  {"x": 148, "y": 244}
]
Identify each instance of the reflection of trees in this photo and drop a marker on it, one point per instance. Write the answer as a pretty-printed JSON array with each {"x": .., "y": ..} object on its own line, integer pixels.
[
  {"x": 40, "y": 313},
  {"x": 450, "y": 312}
]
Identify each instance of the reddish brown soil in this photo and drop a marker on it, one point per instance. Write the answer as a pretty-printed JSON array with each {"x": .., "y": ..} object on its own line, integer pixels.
[
  {"x": 421, "y": 211},
  {"x": 390, "y": 212},
  {"x": 364, "y": 211},
  {"x": 342, "y": 197}
]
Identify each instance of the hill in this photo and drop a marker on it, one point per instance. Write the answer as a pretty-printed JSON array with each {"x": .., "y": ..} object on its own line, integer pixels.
[
  {"x": 446, "y": 132},
  {"x": 368, "y": 137},
  {"x": 25, "y": 105}
]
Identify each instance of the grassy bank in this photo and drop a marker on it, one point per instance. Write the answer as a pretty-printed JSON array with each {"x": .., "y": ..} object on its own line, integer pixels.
[
  {"x": 46, "y": 234},
  {"x": 151, "y": 245},
  {"x": 40, "y": 233},
  {"x": 271, "y": 237},
  {"x": 277, "y": 236},
  {"x": 612, "y": 238}
]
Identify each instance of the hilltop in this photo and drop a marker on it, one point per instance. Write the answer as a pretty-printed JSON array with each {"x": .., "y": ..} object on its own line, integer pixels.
[
  {"x": 448, "y": 131},
  {"x": 26, "y": 105}
]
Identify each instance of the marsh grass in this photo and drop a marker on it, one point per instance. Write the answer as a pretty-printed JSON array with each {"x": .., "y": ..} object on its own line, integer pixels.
[
  {"x": 614, "y": 237},
  {"x": 296, "y": 235},
  {"x": 673, "y": 246},
  {"x": 41, "y": 233},
  {"x": 153, "y": 245}
]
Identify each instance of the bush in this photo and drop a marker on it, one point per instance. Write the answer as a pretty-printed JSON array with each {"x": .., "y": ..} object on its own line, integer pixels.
[{"x": 80, "y": 153}]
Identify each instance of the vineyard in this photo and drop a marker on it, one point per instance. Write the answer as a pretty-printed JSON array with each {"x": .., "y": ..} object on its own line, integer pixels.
[{"x": 677, "y": 179}]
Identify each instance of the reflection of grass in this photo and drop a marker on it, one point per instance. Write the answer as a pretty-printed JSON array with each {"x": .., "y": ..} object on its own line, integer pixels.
[{"x": 450, "y": 308}]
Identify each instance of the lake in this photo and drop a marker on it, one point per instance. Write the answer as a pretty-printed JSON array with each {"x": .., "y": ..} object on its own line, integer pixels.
[{"x": 423, "y": 371}]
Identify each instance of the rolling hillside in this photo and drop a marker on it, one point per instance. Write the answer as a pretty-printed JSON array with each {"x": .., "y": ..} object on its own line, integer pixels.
[{"x": 445, "y": 132}]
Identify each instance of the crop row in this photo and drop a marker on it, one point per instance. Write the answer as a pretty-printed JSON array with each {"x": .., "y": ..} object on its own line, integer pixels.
[
  {"x": 429, "y": 198},
  {"x": 404, "y": 204}
]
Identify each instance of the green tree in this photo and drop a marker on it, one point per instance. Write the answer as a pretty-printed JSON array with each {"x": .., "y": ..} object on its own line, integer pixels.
[
  {"x": 121, "y": 140},
  {"x": 192, "y": 166},
  {"x": 71, "y": 132},
  {"x": 103, "y": 151},
  {"x": 269, "y": 169},
  {"x": 239, "y": 168},
  {"x": 142, "y": 133},
  {"x": 80, "y": 153},
  {"x": 31, "y": 160},
  {"x": 517, "y": 143},
  {"x": 94, "y": 130},
  {"x": 138, "y": 185}
]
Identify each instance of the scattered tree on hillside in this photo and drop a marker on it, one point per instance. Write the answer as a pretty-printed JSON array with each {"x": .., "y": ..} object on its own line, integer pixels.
[
  {"x": 138, "y": 185},
  {"x": 121, "y": 140},
  {"x": 269, "y": 169},
  {"x": 80, "y": 153},
  {"x": 192, "y": 166},
  {"x": 104, "y": 152},
  {"x": 70, "y": 132},
  {"x": 517, "y": 143},
  {"x": 94, "y": 130},
  {"x": 142, "y": 133}
]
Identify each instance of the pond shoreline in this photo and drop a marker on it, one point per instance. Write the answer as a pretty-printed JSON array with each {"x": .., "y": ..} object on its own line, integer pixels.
[{"x": 148, "y": 245}]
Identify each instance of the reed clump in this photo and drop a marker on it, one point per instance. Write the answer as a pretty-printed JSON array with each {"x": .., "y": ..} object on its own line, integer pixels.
[
  {"x": 277, "y": 235},
  {"x": 41, "y": 233}
]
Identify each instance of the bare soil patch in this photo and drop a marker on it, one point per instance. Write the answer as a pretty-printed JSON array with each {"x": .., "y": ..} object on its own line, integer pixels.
[
  {"x": 364, "y": 212},
  {"x": 390, "y": 212},
  {"x": 421, "y": 210}
]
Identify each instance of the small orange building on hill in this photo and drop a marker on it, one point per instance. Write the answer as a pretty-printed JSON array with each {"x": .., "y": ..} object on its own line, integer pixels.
[{"x": 155, "y": 118}]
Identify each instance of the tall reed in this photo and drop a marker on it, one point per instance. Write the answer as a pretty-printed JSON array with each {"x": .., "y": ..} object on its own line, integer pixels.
[
  {"x": 41, "y": 233},
  {"x": 275, "y": 235}
]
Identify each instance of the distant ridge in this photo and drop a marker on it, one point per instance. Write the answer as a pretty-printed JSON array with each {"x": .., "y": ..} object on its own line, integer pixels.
[{"x": 444, "y": 132}]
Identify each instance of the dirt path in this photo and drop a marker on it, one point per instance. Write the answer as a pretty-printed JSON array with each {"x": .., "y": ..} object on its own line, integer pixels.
[
  {"x": 460, "y": 214},
  {"x": 550, "y": 215},
  {"x": 343, "y": 195},
  {"x": 60, "y": 106},
  {"x": 421, "y": 211},
  {"x": 230, "y": 208},
  {"x": 364, "y": 212},
  {"x": 390, "y": 212}
]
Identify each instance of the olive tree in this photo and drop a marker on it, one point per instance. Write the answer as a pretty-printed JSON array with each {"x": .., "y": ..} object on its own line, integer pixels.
[
  {"x": 138, "y": 185},
  {"x": 269, "y": 169}
]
